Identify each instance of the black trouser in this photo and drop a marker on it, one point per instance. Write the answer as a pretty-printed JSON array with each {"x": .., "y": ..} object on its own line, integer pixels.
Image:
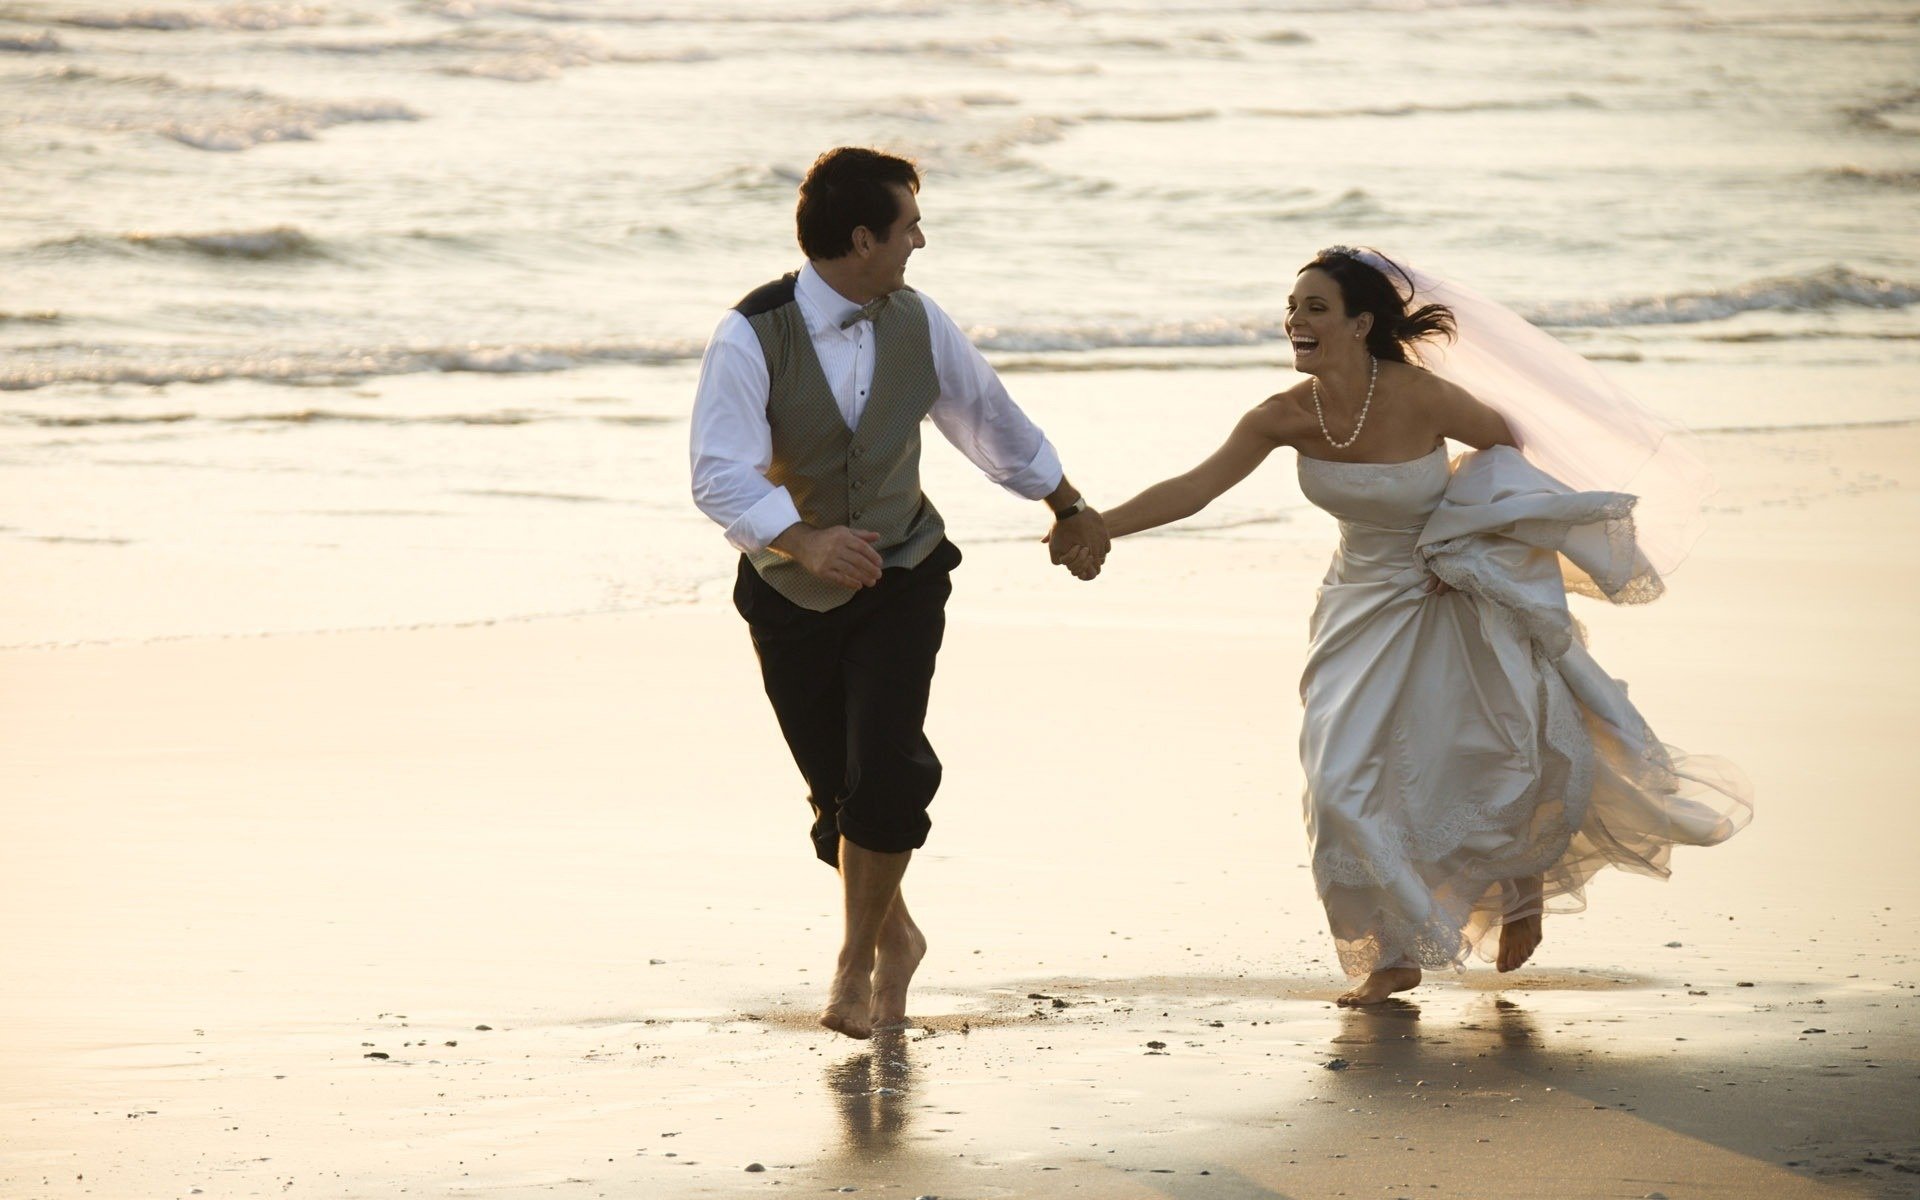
[{"x": 850, "y": 688}]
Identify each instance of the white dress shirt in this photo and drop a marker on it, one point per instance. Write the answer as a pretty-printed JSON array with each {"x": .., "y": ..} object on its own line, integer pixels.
[{"x": 732, "y": 444}]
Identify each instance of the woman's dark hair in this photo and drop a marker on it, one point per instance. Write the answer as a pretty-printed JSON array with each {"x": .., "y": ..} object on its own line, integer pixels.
[
  {"x": 845, "y": 189},
  {"x": 1365, "y": 288}
]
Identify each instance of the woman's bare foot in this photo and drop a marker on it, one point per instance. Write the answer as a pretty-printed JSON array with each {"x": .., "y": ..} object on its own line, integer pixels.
[
  {"x": 901, "y": 948},
  {"x": 1520, "y": 938},
  {"x": 1380, "y": 985},
  {"x": 851, "y": 999}
]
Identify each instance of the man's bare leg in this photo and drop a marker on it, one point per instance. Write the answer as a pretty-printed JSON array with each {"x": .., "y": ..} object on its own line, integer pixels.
[
  {"x": 899, "y": 952},
  {"x": 870, "y": 881}
]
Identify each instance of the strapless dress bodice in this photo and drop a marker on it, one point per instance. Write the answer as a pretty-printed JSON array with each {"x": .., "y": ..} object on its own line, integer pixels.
[{"x": 1382, "y": 507}]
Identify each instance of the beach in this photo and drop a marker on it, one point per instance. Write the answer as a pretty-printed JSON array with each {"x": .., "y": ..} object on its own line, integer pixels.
[
  {"x": 388, "y": 800},
  {"x": 525, "y": 908}
]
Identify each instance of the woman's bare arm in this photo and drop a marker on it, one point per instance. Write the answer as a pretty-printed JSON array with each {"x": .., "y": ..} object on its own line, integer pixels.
[{"x": 1259, "y": 433}]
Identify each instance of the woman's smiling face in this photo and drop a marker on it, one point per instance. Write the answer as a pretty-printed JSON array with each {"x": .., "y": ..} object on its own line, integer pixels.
[{"x": 1317, "y": 321}]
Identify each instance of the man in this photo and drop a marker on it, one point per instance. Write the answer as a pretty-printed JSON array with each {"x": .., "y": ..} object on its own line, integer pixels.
[{"x": 806, "y": 448}]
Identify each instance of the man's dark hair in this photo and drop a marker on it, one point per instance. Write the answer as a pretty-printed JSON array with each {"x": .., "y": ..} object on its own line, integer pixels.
[{"x": 845, "y": 189}]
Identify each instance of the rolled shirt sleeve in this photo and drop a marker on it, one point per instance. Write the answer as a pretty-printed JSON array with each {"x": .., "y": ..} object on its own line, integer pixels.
[
  {"x": 976, "y": 414},
  {"x": 732, "y": 444}
]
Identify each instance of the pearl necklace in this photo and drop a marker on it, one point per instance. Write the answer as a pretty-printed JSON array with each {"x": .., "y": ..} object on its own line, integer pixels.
[{"x": 1373, "y": 373}]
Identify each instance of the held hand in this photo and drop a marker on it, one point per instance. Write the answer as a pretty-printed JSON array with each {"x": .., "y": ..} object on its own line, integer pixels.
[
  {"x": 840, "y": 555},
  {"x": 1437, "y": 586},
  {"x": 1079, "y": 543}
]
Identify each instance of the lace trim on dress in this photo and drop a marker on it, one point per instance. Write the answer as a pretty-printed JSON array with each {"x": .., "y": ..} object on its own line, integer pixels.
[{"x": 1373, "y": 467}]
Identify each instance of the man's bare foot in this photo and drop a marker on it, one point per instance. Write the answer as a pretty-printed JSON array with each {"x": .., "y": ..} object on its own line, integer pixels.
[
  {"x": 902, "y": 946},
  {"x": 1380, "y": 985},
  {"x": 1518, "y": 940},
  {"x": 851, "y": 998}
]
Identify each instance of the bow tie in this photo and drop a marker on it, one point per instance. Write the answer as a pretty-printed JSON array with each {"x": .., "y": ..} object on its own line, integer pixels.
[{"x": 867, "y": 311}]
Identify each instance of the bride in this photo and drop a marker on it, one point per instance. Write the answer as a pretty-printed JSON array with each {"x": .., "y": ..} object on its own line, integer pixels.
[{"x": 1468, "y": 766}]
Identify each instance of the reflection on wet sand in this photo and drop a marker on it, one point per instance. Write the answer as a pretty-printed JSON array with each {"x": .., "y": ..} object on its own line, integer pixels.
[
  {"x": 1499, "y": 1034},
  {"x": 872, "y": 1091}
]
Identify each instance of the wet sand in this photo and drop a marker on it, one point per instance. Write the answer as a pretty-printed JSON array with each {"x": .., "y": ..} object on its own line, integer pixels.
[{"x": 526, "y": 909}]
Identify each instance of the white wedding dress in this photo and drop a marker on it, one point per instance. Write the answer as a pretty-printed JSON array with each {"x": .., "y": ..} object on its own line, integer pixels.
[{"x": 1457, "y": 743}]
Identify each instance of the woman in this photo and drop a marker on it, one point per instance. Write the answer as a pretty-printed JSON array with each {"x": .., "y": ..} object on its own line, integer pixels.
[{"x": 1468, "y": 766}]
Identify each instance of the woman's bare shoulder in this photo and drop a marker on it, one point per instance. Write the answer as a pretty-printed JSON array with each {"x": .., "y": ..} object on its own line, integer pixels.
[
  {"x": 1416, "y": 381},
  {"x": 1285, "y": 414}
]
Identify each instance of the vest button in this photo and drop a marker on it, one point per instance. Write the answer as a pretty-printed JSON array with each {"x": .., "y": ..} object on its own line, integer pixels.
[{"x": 856, "y": 485}]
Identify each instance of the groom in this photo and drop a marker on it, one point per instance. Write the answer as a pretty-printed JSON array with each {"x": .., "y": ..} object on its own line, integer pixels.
[{"x": 806, "y": 449}]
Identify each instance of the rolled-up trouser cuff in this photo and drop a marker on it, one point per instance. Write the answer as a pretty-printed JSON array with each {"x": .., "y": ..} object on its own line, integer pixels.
[{"x": 886, "y": 839}]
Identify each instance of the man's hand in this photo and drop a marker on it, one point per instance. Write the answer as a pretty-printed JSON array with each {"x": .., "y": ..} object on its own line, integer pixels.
[
  {"x": 1079, "y": 543},
  {"x": 838, "y": 555}
]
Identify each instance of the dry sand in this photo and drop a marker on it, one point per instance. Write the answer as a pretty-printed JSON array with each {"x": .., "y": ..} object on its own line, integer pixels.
[{"x": 527, "y": 910}]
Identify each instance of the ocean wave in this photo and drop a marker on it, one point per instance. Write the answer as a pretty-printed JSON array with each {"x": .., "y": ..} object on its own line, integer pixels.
[
  {"x": 1350, "y": 204},
  {"x": 150, "y": 82},
  {"x": 279, "y": 242},
  {"x": 998, "y": 148},
  {"x": 1212, "y": 44},
  {"x": 1898, "y": 113},
  {"x": 255, "y": 18},
  {"x": 1758, "y": 336},
  {"x": 30, "y": 367},
  {"x": 1832, "y": 287},
  {"x": 1415, "y": 108},
  {"x": 935, "y": 109},
  {"x": 770, "y": 178},
  {"x": 204, "y": 116},
  {"x": 1154, "y": 118},
  {"x": 1835, "y": 287},
  {"x": 46, "y": 317},
  {"x": 44, "y": 43},
  {"x": 513, "y": 56},
  {"x": 957, "y": 49},
  {"x": 1888, "y": 178},
  {"x": 139, "y": 365},
  {"x": 1815, "y": 426},
  {"x": 536, "y": 67},
  {"x": 320, "y": 416},
  {"x": 559, "y": 497},
  {"x": 287, "y": 121},
  {"x": 59, "y": 421},
  {"x": 575, "y": 14},
  {"x": 1219, "y": 331}
]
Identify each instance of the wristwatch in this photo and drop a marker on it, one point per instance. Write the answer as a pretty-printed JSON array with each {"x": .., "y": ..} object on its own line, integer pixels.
[{"x": 1078, "y": 506}]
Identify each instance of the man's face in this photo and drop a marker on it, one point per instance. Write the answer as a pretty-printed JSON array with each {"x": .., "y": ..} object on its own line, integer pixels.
[{"x": 887, "y": 261}]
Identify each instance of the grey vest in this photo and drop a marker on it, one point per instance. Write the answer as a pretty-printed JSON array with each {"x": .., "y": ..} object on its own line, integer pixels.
[{"x": 868, "y": 477}]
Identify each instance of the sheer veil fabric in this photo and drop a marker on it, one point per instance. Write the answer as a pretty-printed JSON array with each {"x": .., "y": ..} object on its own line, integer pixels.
[{"x": 1572, "y": 422}]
